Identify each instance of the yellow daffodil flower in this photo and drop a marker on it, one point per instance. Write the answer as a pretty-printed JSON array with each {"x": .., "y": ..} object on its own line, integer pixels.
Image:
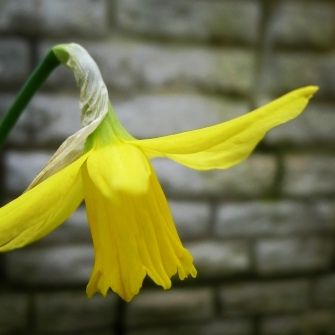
[{"x": 131, "y": 224}]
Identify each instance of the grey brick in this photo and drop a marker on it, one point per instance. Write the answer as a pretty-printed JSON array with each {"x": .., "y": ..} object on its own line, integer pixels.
[
  {"x": 324, "y": 291},
  {"x": 251, "y": 178},
  {"x": 304, "y": 23},
  {"x": 293, "y": 69},
  {"x": 264, "y": 297},
  {"x": 223, "y": 20},
  {"x": 5, "y": 101},
  {"x": 14, "y": 61},
  {"x": 74, "y": 17},
  {"x": 272, "y": 218},
  {"x": 215, "y": 259},
  {"x": 15, "y": 15},
  {"x": 294, "y": 255},
  {"x": 309, "y": 175},
  {"x": 319, "y": 322},
  {"x": 157, "y": 115},
  {"x": 55, "y": 18},
  {"x": 227, "y": 327},
  {"x": 73, "y": 311},
  {"x": 14, "y": 312},
  {"x": 33, "y": 266},
  {"x": 281, "y": 325},
  {"x": 309, "y": 323},
  {"x": 192, "y": 218},
  {"x": 48, "y": 120},
  {"x": 105, "y": 331},
  {"x": 24, "y": 130},
  {"x": 314, "y": 126},
  {"x": 153, "y": 65},
  {"x": 128, "y": 65},
  {"x": 177, "y": 305},
  {"x": 22, "y": 167}
]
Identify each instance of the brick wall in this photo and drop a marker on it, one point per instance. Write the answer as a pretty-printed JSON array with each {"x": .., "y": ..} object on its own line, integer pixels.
[{"x": 262, "y": 234}]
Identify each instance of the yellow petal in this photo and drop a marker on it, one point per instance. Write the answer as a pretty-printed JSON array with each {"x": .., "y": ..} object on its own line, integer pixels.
[
  {"x": 132, "y": 228},
  {"x": 226, "y": 144},
  {"x": 117, "y": 262},
  {"x": 41, "y": 209},
  {"x": 174, "y": 256}
]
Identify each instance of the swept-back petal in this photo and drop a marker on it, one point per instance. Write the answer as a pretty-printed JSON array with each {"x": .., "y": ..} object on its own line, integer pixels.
[
  {"x": 41, "y": 209},
  {"x": 226, "y": 144},
  {"x": 132, "y": 228}
]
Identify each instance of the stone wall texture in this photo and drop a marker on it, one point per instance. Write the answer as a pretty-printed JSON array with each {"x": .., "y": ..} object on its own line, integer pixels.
[{"x": 262, "y": 234}]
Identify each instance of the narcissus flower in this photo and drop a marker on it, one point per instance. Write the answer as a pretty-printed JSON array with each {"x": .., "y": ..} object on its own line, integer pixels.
[{"x": 131, "y": 225}]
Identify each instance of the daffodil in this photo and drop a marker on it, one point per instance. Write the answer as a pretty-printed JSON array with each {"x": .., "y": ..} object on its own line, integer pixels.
[{"x": 132, "y": 228}]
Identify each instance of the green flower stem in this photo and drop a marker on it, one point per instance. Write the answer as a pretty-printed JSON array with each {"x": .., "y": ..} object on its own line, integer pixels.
[{"x": 34, "y": 82}]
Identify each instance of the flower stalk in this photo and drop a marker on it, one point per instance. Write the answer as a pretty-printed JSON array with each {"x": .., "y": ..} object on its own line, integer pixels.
[{"x": 34, "y": 82}]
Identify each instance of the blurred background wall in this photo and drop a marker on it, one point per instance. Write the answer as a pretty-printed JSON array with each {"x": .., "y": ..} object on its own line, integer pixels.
[{"x": 262, "y": 234}]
